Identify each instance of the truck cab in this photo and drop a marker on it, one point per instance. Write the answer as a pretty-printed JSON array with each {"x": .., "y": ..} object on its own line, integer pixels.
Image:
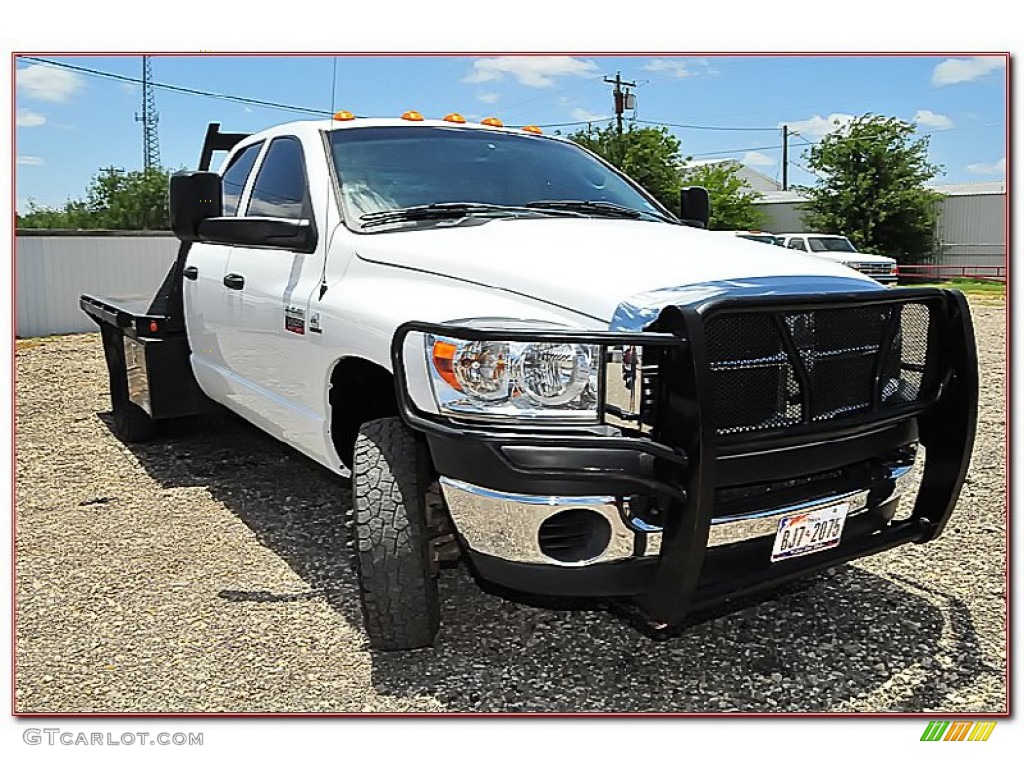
[{"x": 523, "y": 359}]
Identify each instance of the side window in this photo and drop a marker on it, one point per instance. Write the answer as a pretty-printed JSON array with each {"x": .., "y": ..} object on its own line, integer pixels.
[
  {"x": 797, "y": 243},
  {"x": 236, "y": 174},
  {"x": 280, "y": 188}
]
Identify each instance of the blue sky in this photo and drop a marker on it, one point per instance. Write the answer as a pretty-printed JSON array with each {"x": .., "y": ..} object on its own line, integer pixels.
[{"x": 69, "y": 124}]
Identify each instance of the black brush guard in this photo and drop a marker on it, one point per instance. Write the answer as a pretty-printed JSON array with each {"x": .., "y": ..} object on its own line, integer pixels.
[{"x": 680, "y": 457}]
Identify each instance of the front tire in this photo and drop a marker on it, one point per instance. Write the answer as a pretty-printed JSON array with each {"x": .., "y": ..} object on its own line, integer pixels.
[{"x": 401, "y": 608}]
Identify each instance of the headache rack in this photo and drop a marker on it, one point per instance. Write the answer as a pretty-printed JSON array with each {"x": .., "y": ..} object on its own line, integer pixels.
[{"x": 145, "y": 339}]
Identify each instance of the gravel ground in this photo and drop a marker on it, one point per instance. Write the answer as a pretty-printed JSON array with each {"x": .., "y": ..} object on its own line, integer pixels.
[{"x": 208, "y": 573}]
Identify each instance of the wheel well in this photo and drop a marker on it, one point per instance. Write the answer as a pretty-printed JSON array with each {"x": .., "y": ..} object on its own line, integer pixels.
[{"x": 360, "y": 391}]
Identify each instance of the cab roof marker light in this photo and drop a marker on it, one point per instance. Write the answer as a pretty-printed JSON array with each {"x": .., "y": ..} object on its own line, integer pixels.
[
  {"x": 493, "y": 122},
  {"x": 413, "y": 115},
  {"x": 454, "y": 117},
  {"x": 344, "y": 115},
  {"x": 532, "y": 129}
]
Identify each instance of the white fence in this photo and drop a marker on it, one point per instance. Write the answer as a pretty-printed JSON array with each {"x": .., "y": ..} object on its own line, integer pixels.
[{"x": 55, "y": 268}]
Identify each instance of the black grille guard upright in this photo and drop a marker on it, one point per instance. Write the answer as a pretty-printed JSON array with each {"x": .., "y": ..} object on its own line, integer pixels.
[{"x": 684, "y": 450}]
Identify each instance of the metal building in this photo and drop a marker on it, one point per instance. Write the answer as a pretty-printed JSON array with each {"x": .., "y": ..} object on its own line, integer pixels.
[{"x": 971, "y": 229}]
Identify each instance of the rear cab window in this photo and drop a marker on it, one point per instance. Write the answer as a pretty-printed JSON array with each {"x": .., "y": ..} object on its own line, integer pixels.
[{"x": 281, "y": 189}]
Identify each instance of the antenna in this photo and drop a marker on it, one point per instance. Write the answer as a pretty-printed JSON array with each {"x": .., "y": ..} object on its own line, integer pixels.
[{"x": 149, "y": 118}]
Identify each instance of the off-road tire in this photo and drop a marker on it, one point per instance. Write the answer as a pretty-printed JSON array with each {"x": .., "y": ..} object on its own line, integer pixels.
[
  {"x": 131, "y": 423},
  {"x": 401, "y": 609}
]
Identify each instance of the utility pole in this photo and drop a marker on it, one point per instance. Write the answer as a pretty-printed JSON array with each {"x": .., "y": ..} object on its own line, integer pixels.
[
  {"x": 149, "y": 118},
  {"x": 785, "y": 157},
  {"x": 620, "y": 97}
]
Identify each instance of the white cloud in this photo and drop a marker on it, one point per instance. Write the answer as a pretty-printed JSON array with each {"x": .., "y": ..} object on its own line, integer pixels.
[
  {"x": 585, "y": 114},
  {"x": 930, "y": 119},
  {"x": 489, "y": 98},
  {"x": 758, "y": 158},
  {"x": 953, "y": 71},
  {"x": 247, "y": 110},
  {"x": 38, "y": 81},
  {"x": 817, "y": 125},
  {"x": 29, "y": 119},
  {"x": 681, "y": 68},
  {"x": 674, "y": 67},
  {"x": 532, "y": 71},
  {"x": 30, "y": 160},
  {"x": 997, "y": 168},
  {"x": 131, "y": 88}
]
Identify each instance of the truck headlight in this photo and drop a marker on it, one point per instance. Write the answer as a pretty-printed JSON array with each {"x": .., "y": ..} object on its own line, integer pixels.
[{"x": 507, "y": 380}]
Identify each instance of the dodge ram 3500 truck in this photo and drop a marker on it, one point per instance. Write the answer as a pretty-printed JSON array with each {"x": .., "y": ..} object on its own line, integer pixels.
[{"x": 523, "y": 358}]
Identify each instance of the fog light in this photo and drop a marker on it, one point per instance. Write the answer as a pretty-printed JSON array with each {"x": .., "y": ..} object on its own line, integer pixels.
[{"x": 574, "y": 535}]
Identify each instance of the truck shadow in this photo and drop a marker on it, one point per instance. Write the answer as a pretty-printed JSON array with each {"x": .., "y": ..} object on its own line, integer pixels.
[{"x": 820, "y": 645}]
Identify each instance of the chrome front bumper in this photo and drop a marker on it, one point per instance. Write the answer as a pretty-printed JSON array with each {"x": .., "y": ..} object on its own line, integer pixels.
[{"x": 507, "y": 525}]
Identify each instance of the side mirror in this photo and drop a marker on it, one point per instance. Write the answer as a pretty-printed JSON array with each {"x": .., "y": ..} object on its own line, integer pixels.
[
  {"x": 194, "y": 196},
  {"x": 694, "y": 206},
  {"x": 260, "y": 232}
]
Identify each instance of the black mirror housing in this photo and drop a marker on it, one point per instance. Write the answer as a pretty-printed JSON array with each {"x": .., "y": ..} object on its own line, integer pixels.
[
  {"x": 194, "y": 197},
  {"x": 260, "y": 232},
  {"x": 694, "y": 206}
]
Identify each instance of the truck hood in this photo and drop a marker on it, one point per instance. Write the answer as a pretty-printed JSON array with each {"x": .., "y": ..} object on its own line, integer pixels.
[{"x": 591, "y": 266}]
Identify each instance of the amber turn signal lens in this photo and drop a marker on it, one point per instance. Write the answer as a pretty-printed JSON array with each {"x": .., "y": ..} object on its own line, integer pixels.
[
  {"x": 532, "y": 129},
  {"x": 344, "y": 115},
  {"x": 444, "y": 362},
  {"x": 454, "y": 117},
  {"x": 493, "y": 122},
  {"x": 412, "y": 114}
]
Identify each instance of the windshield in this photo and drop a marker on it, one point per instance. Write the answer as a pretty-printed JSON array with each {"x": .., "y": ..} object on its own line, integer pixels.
[
  {"x": 819, "y": 244},
  {"x": 759, "y": 238},
  {"x": 389, "y": 168}
]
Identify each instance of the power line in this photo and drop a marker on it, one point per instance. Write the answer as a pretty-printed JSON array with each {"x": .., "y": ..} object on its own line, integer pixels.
[
  {"x": 179, "y": 88},
  {"x": 567, "y": 125},
  {"x": 707, "y": 127},
  {"x": 739, "y": 149}
]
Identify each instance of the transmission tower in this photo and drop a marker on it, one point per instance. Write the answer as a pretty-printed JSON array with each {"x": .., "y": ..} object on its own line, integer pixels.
[{"x": 149, "y": 118}]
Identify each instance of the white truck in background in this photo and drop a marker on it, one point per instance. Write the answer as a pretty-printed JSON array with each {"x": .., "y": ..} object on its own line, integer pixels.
[{"x": 839, "y": 249}]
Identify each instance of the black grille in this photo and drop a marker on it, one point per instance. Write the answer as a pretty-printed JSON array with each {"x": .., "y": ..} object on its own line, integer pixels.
[{"x": 775, "y": 370}]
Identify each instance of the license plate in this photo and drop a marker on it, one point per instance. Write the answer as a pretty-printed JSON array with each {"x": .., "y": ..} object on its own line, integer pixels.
[{"x": 809, "y": 532}]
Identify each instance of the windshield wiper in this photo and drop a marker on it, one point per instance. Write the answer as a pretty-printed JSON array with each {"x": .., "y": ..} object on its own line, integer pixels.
[
  {"x": 596, "y": 207},
  {"x": 444, "y": 211}
]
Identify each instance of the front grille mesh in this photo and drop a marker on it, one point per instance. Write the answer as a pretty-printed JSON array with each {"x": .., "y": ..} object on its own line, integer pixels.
[{"x": 775, "y": 370}]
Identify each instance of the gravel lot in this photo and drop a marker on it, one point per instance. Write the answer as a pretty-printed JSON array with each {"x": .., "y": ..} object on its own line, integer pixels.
[{"x": 208, "y": 573}]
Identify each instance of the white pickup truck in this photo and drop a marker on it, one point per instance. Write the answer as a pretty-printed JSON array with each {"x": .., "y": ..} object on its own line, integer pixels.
[
  {"x": 523, "y": 359},
  {"x": 840, "y": 249}
]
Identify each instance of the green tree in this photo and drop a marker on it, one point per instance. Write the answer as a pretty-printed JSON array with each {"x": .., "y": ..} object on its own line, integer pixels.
[
  {"x": 873, "y": 188},
  {"x": 732, "y": 198},
  {"x": 115, "y": 199},
  {"x": 648, "y": 155}
]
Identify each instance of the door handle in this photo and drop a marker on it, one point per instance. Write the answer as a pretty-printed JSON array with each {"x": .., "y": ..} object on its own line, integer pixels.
[
  {"x": 234, "y": 282},
  {"x": 190, "y": 272}
]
